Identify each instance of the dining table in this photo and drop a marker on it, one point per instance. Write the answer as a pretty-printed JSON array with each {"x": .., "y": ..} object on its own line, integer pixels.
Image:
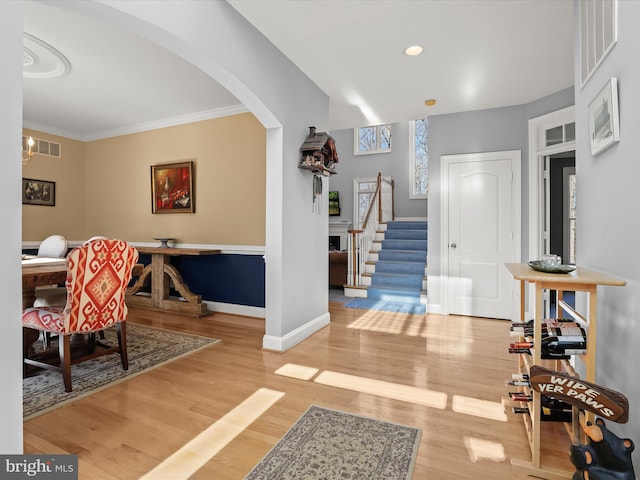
[
  {"x": 42, "y": 271},
  {"x": 162, "y": 277}
]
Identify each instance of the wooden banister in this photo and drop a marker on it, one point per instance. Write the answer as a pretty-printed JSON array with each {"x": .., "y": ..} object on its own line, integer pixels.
[{"x": 380, "y": 209}]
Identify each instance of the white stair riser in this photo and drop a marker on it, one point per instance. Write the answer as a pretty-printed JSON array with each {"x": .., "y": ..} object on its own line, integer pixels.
[
  {"x": 366, "y": 280},
  {"x": 371, "y": 268}
]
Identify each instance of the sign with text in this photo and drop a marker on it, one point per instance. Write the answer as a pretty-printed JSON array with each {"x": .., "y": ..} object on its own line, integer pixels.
[
  {"x": 588, "y": 396},
  {"x": 52, "y": 467}
]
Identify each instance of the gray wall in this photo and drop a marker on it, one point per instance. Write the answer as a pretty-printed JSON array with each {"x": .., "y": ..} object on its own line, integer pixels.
[
  {"x": 394, "y": 164},
  {"x": 475, "y": 132},
  {"x": 608, "y": 231}
]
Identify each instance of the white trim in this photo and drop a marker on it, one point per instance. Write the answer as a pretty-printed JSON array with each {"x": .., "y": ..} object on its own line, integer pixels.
[
  {"x": 411, "y": 219},
  {"x": 537, "y": 154},
  {"x": 224, "y": 249},
  {"x": 281, "y": 344},
  {"x": 141, "y": 127},
  {"x": 235, "y": 309},
  {"x": 356, "y": 140}
]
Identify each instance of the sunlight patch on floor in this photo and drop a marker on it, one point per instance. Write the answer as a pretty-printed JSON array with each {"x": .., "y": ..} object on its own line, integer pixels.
[
  {"x": 374, "y": 321},
  {"x": 405, "y": 393},
  {"x": 478, "y": 408},
  {"x": 197, "y": 452},
  {"x": 297, "y": 371},
  {"x": 481, "y": 449},
  {"x": 449, "y": 336}
]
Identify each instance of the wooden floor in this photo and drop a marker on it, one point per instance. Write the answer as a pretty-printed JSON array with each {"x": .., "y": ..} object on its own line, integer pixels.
[{"x": 460, "y": 363}]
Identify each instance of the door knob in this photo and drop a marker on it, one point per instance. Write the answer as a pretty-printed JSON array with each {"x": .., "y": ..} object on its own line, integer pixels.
[{"x": 453, "y": 245}]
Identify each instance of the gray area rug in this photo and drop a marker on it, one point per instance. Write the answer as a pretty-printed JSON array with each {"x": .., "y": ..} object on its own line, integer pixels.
[
  {"x": 147, "y": 348},
  {"x": 332, "y": 445}
]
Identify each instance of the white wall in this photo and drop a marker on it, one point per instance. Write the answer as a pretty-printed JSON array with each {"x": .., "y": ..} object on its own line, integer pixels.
[
  {"x": 10, "y": 283},
  {"x": 608, "y": 231}
]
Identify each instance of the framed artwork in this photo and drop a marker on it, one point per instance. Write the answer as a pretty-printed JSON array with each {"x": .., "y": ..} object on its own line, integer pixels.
[
  {"x": 604, "y": 119},
  {"x": 334, "y": 204},
  {"x": 38, "y": 192},
  {"x": 172, "y": 188}
]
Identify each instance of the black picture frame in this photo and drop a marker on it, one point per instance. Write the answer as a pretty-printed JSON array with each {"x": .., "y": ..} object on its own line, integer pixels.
[{"x": 38, "y": 192}]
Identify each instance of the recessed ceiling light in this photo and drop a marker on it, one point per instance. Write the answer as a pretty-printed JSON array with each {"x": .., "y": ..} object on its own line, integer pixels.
[
  {"x": 430, "y": 103},
  {"x": 413, "y": 50}
]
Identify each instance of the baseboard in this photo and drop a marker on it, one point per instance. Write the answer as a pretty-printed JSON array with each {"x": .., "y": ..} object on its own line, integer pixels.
[
  {"x": 434, "y": 308},
  {"x": 244, "y": 310},
  {"x": 282, "y": 344}
]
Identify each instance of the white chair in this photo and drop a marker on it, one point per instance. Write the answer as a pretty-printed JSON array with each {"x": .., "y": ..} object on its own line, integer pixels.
[
  {"x": 54, "y": 246},
  {"x": 54, "y": 295}
]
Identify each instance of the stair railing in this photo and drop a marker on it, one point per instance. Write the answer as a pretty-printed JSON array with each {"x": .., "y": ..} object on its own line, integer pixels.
[{"x": 381, "y": 209}]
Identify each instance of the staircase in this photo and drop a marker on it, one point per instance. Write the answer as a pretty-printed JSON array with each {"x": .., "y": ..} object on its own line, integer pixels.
[{"x": 395, "y": 275}]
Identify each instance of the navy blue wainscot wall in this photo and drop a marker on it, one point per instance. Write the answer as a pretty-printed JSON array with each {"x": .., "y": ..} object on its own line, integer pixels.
[{"x": 234, "y": 279}]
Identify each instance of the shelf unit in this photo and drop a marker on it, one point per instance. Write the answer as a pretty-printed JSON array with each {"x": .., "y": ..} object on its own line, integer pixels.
[{"x": 580, "y": 280}]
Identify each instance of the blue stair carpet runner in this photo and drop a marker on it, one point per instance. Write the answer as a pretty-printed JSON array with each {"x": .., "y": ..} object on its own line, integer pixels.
[{"x": 396, "y": 284}]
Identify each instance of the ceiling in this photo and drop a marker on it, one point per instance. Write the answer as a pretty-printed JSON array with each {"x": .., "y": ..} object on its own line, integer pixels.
[{"x": 477, "y": 54}]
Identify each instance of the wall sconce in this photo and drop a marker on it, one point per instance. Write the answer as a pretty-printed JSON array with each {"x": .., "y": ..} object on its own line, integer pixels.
[{"x": 29, "y": 153}]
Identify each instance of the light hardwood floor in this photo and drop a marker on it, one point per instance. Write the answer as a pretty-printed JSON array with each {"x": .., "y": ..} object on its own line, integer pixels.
[{"x": 460, "y": 364}]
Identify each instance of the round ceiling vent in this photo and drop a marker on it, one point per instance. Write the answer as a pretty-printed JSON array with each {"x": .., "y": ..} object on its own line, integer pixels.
[{"x": 41, "y": 60}]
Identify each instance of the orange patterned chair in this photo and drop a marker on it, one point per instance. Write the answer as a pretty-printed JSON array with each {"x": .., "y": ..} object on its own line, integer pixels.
[{"x": 98, "y": 274}]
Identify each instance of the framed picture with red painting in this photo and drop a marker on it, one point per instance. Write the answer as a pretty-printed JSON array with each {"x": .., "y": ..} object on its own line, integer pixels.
[{"x": 172, "y": 188}]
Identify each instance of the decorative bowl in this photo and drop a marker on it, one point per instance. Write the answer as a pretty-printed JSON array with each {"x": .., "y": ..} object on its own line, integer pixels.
[
  {"x": 164, "y": 241},
  {"x": 538, "y": 265}
]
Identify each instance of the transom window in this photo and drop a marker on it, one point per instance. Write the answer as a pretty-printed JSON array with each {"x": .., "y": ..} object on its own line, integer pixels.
[{"x": 373, "y": 139}]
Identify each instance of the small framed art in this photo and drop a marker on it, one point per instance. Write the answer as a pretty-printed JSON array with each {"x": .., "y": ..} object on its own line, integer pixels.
[
  {"x": 172, "y": 188},
  {"x": 604, "y": 118},
  {"x": 38, "y": 192}
]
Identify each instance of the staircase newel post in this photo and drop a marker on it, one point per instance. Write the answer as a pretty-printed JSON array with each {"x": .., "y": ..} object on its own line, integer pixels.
[{"x": 353, "y": 256}]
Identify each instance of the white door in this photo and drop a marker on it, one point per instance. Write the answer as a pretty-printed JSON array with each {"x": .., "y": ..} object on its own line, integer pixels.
[{"x": 481, "y": 232}]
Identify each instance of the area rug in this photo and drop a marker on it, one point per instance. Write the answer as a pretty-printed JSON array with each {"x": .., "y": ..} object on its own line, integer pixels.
[
  {"x": 387, "y": 306},
  {"x": 147, "y": 348},
  {"x": 332, "y": 445}
]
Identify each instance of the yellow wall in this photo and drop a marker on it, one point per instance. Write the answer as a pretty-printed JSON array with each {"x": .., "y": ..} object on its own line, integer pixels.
[
  {"x": 66, "y": 217},
  {"x": 229, "y": 172}
]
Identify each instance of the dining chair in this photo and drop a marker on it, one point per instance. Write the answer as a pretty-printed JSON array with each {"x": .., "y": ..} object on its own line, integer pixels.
[
  {"x": 55, "y": 295},
  {"x": 98, "y": 274},
  {"x": 55, "y": 246}
]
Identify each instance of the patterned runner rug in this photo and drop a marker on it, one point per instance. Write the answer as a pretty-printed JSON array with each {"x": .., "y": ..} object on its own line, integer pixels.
[
  {"x": 147, "y": 348},
  {"x": 332, "y": 445}
]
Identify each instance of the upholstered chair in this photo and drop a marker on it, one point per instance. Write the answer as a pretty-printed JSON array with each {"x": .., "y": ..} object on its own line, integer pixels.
[
  {"x": 54, "y": 295},
  {"x": 98, "y": 274}
]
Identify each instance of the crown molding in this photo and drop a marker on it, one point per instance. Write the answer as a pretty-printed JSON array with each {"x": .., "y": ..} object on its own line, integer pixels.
[{"x": 141, "y": 127}]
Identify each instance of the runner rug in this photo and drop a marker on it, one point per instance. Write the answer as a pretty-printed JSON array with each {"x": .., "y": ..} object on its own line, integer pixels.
[
  {"x": 147, "y": 348},
  {"x": 332, "y": 445}
]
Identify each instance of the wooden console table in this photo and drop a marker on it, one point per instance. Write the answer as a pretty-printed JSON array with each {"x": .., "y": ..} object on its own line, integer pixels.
[
  {"x": 160, "y": 271},
  {"x": 580, "y": 280}
]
